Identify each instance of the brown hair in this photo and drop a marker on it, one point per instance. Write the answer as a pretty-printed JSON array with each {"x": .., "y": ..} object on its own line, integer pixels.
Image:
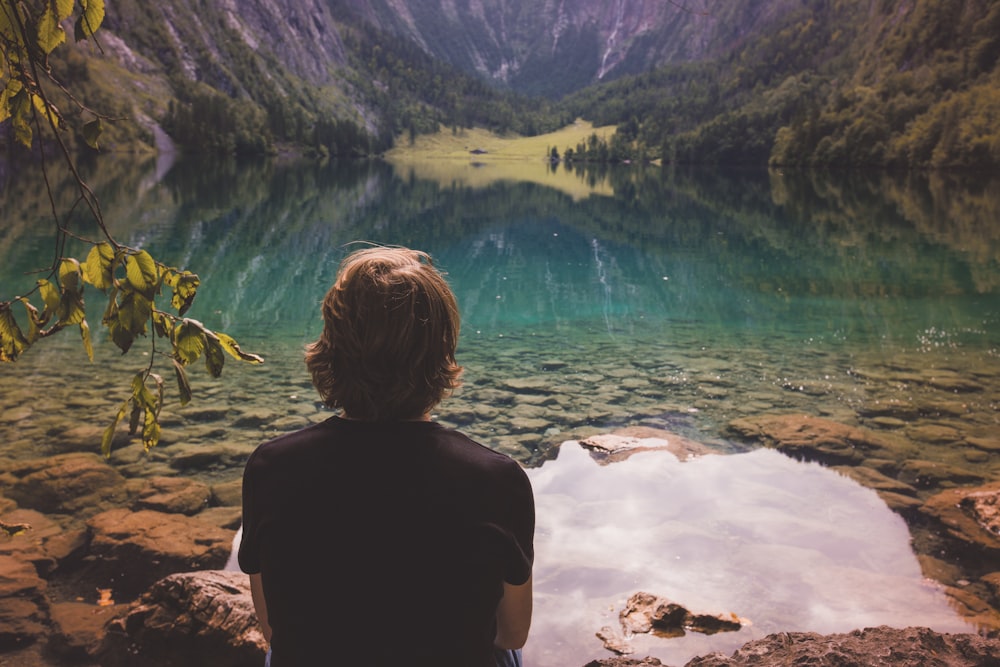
[{"x": 390, "y": 329}]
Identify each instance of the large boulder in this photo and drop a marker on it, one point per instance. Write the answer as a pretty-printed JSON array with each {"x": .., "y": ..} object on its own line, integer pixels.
[
  {"x": 906, "y": 647},
  {"x": 190, "y": 618},
  {"x": 131, "y": 550}
]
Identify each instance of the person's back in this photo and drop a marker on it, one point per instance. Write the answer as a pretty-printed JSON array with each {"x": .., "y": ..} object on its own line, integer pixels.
[{"x": 381, "y": 537}]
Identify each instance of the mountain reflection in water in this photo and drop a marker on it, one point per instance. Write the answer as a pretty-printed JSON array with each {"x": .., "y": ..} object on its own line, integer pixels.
[
  {"x": 680, "y": 300},
  {"x": 788, "y": 546}
]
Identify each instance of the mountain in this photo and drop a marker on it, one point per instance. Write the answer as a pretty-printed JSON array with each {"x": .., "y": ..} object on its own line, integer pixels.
[
  {"x": 804, "y": 82},
  {"x": 554, "y": 47}
]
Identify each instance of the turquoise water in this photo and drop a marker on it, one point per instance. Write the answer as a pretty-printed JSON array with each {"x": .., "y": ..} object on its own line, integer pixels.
[
  {"x": 678, "y": 300},
  {"x": 767, "y": 279}
]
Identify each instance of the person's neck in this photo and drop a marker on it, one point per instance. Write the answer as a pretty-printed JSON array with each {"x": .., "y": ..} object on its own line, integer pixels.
[{"x": 426, "y": 417}]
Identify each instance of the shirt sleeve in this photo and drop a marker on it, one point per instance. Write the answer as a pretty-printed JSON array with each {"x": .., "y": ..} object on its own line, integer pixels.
[
  {"x": 249, "y": 554},
  {"x": 521, "y": 525}
]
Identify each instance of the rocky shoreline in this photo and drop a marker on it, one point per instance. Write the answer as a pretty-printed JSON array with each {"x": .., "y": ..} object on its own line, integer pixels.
[
  {"x": 922, "y": 432},
  {"x": 93, "y": 577}
]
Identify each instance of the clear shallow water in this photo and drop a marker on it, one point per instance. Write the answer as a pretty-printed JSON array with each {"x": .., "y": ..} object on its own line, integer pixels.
[
  {"x": 784, "y": 545},
  {"x": 682, "y": 301}
]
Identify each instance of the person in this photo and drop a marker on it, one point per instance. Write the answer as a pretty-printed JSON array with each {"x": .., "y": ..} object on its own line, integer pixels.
[{"x": 379, "y": 536}]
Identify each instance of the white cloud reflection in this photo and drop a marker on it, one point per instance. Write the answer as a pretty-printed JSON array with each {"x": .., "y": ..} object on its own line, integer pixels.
[{"x": 790, "y": 546}]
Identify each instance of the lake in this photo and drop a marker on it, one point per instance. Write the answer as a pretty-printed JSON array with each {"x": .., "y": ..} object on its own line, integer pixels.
[{"x": 592, "y": 300}]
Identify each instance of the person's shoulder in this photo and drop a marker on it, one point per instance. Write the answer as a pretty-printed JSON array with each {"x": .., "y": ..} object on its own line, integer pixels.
[
  {"x": 475, "y": 450},
  {"x": 287, "y": 444}
]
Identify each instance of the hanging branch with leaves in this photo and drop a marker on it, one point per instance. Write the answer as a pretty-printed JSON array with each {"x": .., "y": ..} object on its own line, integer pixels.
[{"x": 131, "y": 279}]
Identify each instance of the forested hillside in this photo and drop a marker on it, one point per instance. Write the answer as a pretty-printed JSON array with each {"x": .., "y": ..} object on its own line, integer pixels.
[
  {"x": 888, "y": 83},
  {"x": 837, "y": 83}
]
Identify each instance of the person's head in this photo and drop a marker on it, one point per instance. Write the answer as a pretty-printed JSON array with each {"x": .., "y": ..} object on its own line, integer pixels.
[{"x": 390, "y": 328}]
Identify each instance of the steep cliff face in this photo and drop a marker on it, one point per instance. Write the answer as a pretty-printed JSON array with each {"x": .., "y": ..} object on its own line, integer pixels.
[
  {"x": 214, "y": 42},
  {"x": 556, "y": 46}
]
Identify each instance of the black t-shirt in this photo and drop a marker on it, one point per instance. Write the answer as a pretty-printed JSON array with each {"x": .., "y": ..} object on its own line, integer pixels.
[{"x": 384, "y": 543}]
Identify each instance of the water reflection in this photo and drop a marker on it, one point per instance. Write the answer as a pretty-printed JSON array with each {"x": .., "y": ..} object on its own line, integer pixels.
[
  {"x": 683, "y": 300},
  {"x": 789, "y": 546}
]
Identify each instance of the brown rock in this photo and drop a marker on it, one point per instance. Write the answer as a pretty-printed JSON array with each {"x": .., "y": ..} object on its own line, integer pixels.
[
  {"x": 77, "y": 483},
  {"x": 228, "y": 494},
  {"x": 174, "y": 495},
  {"x": 191, "y": 618},
  {"x": 625, "y": 662},
  {"x": 134, "y": 549},
  {"x": 929, "y": 474},
  {"x": 78, "y": 628},
  {"x": 906, "y": 647},
  {"x": 817, "y": 439},
  {"x": 973, "y": 608},
  {"x": 614, "y": 641},
  {"x": 992, "y": 580},
  {"x": 873, "y": 479},
  {"x": 645, "y": 612},
  {"x": 937, "y": 434},
  {"x": 968, "y": 514},
  {"x": 23, "y": 609},
  {"x": 44, "y": 544},
  {"x": 632, "y": 439}
]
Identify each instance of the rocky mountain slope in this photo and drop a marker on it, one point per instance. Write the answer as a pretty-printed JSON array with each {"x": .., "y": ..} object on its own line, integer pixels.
[{"x": 556, "y": 46}]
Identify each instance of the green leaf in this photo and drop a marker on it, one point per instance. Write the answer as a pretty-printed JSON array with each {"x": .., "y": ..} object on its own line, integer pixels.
[
  {"x": 133, "y": 313},
  {"x": 92, "y": 133},
  {"x": 90, "y": 20},
  {"x": 50, "y": 33},
  {"x": 97, "y": 267},
  {"x": 109, "y": 432},
  {"x": 12, "y": 340},
  {"x": 215, "y": 358},
  {"x": 135, "y": 418},
  {"x": 150, "y": 431},
  {"x": 8, "y": 26},
  {"x": 13, "y": 86},
  {"x": 51, "y": 297},
  {"x": 85, "y": 335},
  {"x": 183, "y": 386},
  {"x": 162, "y": 324},
  {"x": 121, "y": 336},
  {"x": 189, "y": 341},
  {"x": 141, "y": 273},
  {"x": 71, "y": 309},
  {"x": 233, "y": 348},
  {"x": 34, "y": 320},
  {"x": 70, "y": 274},
  {"x": 141, "y": 394},
  {"x": 185, "y": 287},
  {"x": 20, "y": 109},
  {"x": 46, "y": 110},
  {"x": 62, "y": 8}
]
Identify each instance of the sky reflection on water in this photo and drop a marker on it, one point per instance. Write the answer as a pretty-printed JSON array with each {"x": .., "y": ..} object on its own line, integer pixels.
[{"x": 787, "y": 545}]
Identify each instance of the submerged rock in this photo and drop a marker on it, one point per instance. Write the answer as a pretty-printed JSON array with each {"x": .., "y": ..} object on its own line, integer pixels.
[
  {"x": 23, "y": 608},
  {"x": 77, "y": 483},
  {"x": 822, "y": 440},
  {"x": 174, "y": 495},
  {"x": 131, "y": 550},
  {"x": 969, "y": 515}
]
